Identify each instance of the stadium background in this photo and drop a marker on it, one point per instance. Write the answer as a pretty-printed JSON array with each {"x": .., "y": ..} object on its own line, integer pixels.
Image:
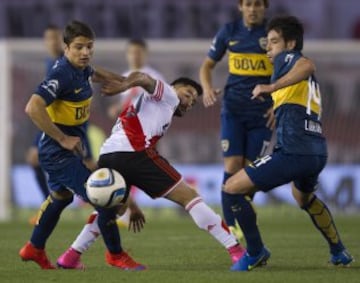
[{"x": 179, "y": 34}]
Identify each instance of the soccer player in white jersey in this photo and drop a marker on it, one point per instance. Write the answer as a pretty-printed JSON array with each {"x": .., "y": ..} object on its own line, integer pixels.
[
  {"x": 130, "y": 150},
  {"x": 137, "y": 55}
]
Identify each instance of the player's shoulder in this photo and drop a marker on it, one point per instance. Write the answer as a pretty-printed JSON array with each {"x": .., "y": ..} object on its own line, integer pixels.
[
  {"x": 61, "y": 69},
  {"x": 233, "y": 27},
  {"x": 287, "y": 58},
  {"x": 284, "y": 61}
]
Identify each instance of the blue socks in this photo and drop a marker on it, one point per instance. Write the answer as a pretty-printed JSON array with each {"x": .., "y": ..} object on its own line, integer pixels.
[
  {"x": 226, "y": 205},
  {"x": 109, "y": 229},
  {"x": 245, "y": 215},
  {"x": 48, "y": 217}
]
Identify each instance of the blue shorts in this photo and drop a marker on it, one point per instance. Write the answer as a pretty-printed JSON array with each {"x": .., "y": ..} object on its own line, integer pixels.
[
  {"x": 278, "y": 169},
  {"x": 247, "y": 137},
  {"x": 70, "y": 175}
]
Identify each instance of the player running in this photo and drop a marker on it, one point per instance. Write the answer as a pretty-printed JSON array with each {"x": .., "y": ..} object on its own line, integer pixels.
[
  {"x": 300, "y": 153},
  {"x": 131, "y": 151},
  {"x": 60, "y": 108},
  {"x": 245, "y": 123}
]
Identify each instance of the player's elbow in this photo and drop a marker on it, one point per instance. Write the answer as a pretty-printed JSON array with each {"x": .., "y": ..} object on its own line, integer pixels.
[
  {"x": 31, "y": 107},
  {"x": 308, "y": 66},
  {"x": 311, "y": 67},
  {"x": 207, "y": 65}
]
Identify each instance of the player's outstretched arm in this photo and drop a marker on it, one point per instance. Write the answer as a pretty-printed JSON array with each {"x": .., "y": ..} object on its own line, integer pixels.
[
  {"x": 36, "y": 109},
  {"x": 210, "y": 94},
  {"x": 124, "y": 83},
  {"x": 301, "y": 70},
  {"x": 101, "y": 75}
]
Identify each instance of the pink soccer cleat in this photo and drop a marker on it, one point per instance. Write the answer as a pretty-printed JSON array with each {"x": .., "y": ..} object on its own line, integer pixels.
[
  {"x": 70, "y": 260},
  {"x": 236, "y": 252}
]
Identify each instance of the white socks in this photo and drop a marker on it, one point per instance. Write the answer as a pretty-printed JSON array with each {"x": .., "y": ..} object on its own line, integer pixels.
[
  {"x": 88, "y": 235},
  {"x": 206, "y": 219}
]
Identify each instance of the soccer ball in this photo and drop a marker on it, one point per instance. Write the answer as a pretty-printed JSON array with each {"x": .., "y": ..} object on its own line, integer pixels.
[{"x": 105, "y": 188}]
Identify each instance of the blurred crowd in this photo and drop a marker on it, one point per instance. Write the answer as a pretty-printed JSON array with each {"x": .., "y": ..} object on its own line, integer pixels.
[{"x": 169, "y": 18}]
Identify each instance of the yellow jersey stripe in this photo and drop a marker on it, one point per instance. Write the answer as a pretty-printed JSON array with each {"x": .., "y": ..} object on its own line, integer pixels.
[
  {"x": 69, "y": 113},
  {"x": 303, "y": 93}
]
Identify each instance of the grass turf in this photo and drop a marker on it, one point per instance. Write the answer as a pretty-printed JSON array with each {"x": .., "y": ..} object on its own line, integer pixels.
[{"x": 176, "y": 251}]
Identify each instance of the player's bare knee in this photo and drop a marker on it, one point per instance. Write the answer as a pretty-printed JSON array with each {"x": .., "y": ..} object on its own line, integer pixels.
[
  {"x": 182, "y": 194},
  {"x": 301, "y": 198},
  {"x": 231, "y": 186}
]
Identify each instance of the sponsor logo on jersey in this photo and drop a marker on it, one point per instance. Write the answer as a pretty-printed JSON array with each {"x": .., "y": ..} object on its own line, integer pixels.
[
  {"x": 82, "y": 112},
  {"x": 249, "y": 64}
]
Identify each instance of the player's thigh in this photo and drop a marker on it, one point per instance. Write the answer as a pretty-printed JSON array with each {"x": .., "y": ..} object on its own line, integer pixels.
[
  {"x": 240, "y": 183},
  {"x": 306, "y": 183},
  {"x": 257, "y": 142},
  {"x": 272, "y": 170},
  {"x": 182, "y": 194},
  {"x": 72, "y": 176},
  {"x": 232, "y": 135},
  {"x": 146, "y": 170}
]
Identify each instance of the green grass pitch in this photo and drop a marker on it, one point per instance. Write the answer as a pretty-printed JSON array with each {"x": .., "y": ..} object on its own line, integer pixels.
[{"x": 176, "y": 251}]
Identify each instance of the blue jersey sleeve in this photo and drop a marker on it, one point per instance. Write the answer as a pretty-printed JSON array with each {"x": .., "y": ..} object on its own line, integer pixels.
[
  {"x": 283, "y": 63},
  {"x": 53, "y": 86},
  {"x": 219, "y": 45}
]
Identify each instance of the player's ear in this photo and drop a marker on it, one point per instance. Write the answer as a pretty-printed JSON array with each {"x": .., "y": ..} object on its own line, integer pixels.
[
  {"x": 290, "y": 45},
  {"x": 66, "y": 47}
]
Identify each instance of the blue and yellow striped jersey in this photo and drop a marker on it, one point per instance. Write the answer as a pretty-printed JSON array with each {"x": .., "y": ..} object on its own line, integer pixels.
[
  {"x": 248, "y": 65},
  {"x": 67, "y": 92},
  {"x": 298, "y": 110}
]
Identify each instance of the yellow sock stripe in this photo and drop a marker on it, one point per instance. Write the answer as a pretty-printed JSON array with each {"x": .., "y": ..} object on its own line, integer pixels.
[
  {"x": 323, "y": 220},
  {"x": 43, "y": 206}
]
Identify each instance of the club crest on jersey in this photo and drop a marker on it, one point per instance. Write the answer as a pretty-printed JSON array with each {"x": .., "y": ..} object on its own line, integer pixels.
[
  {"x": 225, "y": 145},
  {"x": 263, "y": 42}
]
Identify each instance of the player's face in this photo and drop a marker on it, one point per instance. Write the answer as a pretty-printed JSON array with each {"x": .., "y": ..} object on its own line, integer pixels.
[
  {"x": 188, "y": 97},
  {"x": 53, "y": 42},
  {"x": 276, "y": 44},
  {"x": 253, "y": 11},
  {"x": 80, "y": 51},
  {"x": 136, "y": 56}
]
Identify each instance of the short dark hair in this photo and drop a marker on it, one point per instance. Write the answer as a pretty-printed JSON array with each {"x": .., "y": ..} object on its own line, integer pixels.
[
  {"x": 187, "y": 81},
  {"x": 290, "y": 28},
  {"x": 138, "y": 41},
  {"x": 266, "y": 3},
  {"x": 75, "y": 29}
]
